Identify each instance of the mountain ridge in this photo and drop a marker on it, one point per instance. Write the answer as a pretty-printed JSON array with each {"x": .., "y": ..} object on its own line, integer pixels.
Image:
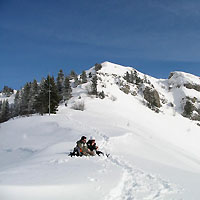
[
  {"x": 179, "y": 88},
  {"x": 180, "y": 93}
]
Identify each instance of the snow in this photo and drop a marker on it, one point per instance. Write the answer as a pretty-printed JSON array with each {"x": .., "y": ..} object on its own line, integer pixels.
[
  {"x": 10, "y": 99},
  {"x": 111, "y": 68},
  {"x": 181, "y": 78},
  {"x": 154, "y": 156}
]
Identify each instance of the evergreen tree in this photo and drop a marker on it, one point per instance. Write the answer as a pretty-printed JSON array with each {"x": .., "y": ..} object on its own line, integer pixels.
[
  {"x": 97, "y": 66},
  {"x": 94, "y": 85},
  {"x": 76, "y": 81},
  {"x": 72, "y": 75},
  {"x": 90, "y": 75},
  {"x": 17, "y": 104},
  {"x": 5, "y": 112},
  {"x": 83, "y": 77},
  {"x": 67, "y": 94},
  {"x": 60, "y": 83},
  {"x": 138, "y": 80},
  {"x": 54, "y": 96},
  {"x": 101, "y": 95},
  {"x": 42, "y": 100},
  {"x": 25, "y": 106},
  {"x": 11, "y": 110},
  {"x": 34, "y": 91},
  {"x": 132, "y": 78},
  {"x": 127, "y": 77},
  {"x": 7, "y": 91}
]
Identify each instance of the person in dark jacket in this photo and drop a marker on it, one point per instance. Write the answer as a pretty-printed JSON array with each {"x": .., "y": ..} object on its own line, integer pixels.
[
  {"x": 91, "y": 144},
  {"x": 81, "y": 148}
]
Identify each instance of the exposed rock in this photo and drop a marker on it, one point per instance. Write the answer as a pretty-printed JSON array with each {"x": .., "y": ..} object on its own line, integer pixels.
[
  {"x": 125, "y": 89},
  {"x": 171, "y": 74},
  {"x": 188, "y": 109},
  {"x": 194, "y": 99},
  {"x": 152, "y": 96},
  {"x": 171, "y": 104},
  {"x": 196, "y": 117},
  {"x": 134, "y": 93},
  {"x": 192, "y": 86}
]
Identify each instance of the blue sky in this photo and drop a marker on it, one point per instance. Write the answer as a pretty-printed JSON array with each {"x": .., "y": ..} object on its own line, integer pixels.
[{"x": 38, "y": 37}]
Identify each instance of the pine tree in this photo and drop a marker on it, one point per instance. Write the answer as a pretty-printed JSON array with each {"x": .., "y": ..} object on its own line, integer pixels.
[
  {"x": 72, "y": 75},
  {"x": 60, "y": 83},
  {"x": 102, "y": 95},
  {"x": 94, "y": 85},
  {"x": 25, "y": 101},
  {"x": 5, "y": 112},
  {"x": 138, "y": 80},
  {"x": 127, "y": 77},
  {"x": 132, "y": 77},
  {"x": 83, "y": 77},
  {"x": 11, "y": 110},
  {"x": 67, "y": 94},
  {"x": 42, "y": 100},
  {"x": 76, "y": 82},
  {"x": 97, "y": 66},
  {"x": 7, "y": 91},
  {"x": 90, "y": 75},
  {"x": 34, "y": 91},
  {"x": 54, "y": 96},
  {"x": 17, "y": 103}
]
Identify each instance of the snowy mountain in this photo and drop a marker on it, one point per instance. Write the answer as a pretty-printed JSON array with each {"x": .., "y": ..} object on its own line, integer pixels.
[{"x": 142, "y": 122}]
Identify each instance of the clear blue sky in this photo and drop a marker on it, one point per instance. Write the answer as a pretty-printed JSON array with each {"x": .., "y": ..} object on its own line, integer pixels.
[{"x": 38, "y": 37}]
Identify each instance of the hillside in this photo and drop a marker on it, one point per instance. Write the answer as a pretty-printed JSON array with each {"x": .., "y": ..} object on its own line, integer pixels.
[{"x": 154, "y": 150}]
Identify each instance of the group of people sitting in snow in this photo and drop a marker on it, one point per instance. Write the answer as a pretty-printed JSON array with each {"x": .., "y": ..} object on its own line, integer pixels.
[{"x": 86, "y": 148}]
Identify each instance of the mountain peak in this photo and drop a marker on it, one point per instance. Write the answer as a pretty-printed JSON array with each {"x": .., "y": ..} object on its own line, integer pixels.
[
  {"x": 182, "y": 78},
  {"x": 113, "y": 68}
]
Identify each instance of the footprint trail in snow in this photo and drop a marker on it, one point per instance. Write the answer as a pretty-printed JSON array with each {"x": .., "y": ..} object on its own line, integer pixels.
[{"x": 136, "y": 184}]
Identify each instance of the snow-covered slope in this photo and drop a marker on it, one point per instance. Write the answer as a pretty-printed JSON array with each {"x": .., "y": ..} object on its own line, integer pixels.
[
  {"x": 173, "y": 92},
  {"x": 153, "y": 155}
]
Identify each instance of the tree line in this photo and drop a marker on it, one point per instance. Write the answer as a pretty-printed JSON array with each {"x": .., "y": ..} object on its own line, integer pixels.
[{"x": 34, "y": 97}]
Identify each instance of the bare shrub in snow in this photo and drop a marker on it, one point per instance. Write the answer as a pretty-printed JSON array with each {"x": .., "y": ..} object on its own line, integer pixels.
[
  {"x": 89, "y": 88},
  {"x": 79, "y": 105}
]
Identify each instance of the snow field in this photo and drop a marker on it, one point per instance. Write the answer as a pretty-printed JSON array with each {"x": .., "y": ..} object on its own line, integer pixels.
[{"x": 152, "y": 156}]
